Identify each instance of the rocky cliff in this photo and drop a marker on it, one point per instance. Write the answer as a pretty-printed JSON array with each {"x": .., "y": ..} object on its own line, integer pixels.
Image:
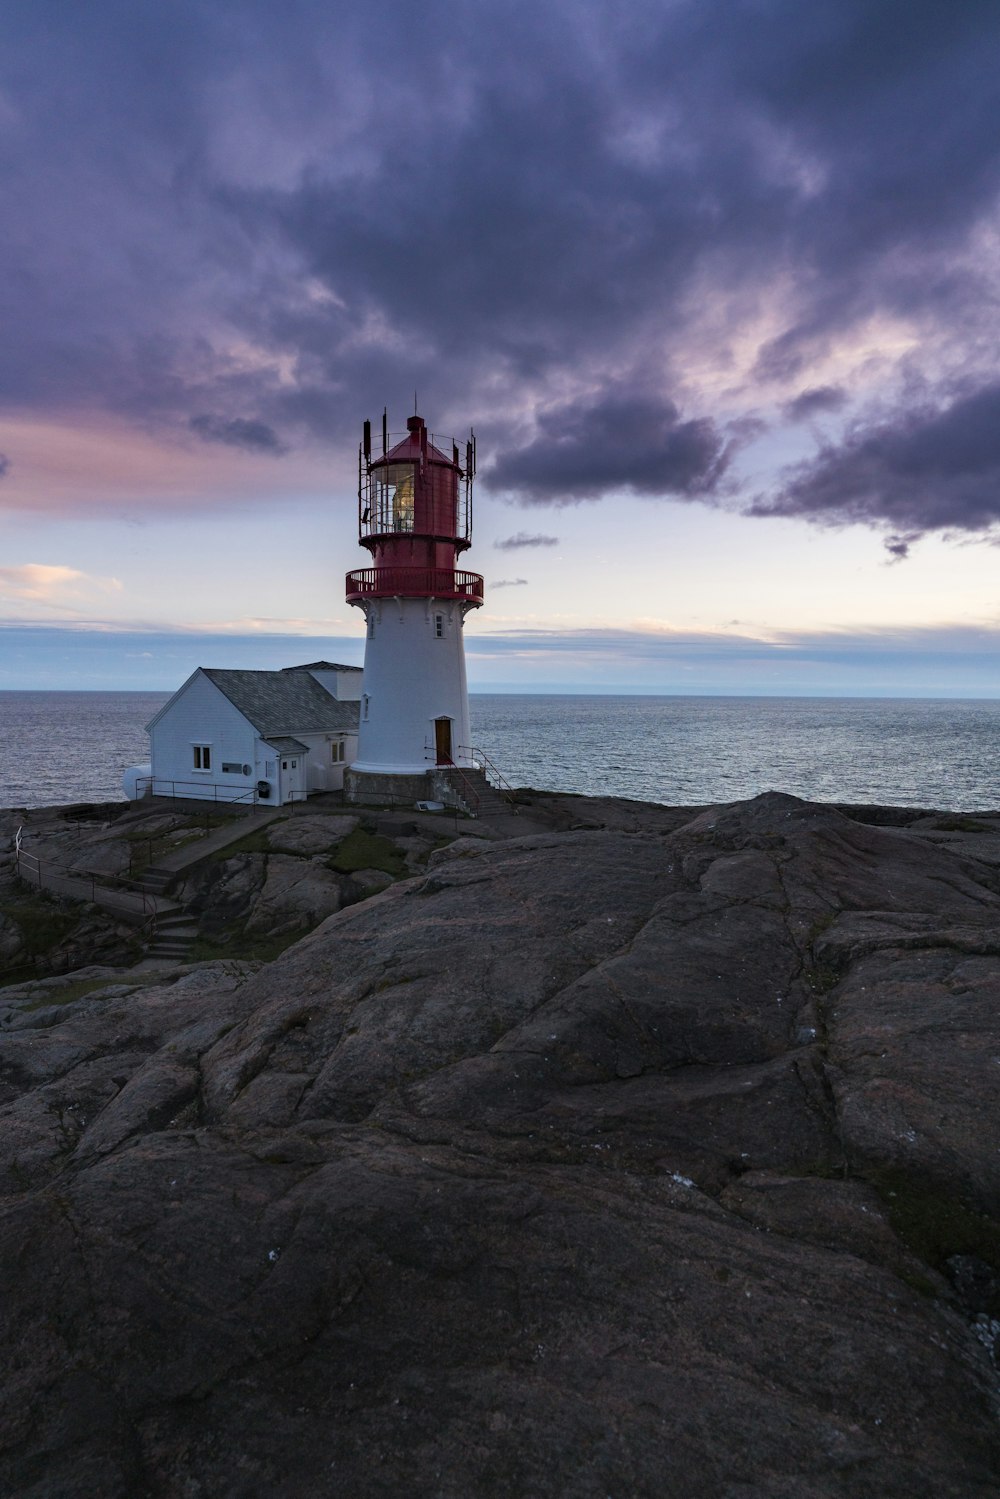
[{"x": 652, "y": 1158}]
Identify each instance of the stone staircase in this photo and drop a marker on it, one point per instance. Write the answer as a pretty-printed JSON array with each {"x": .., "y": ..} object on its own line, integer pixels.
[
  {"x": 176, "y": 927},
  {"x": 175, "y": 931},
  {"x": 154, "y": 881},
  {"x": 472, "y": 791}
]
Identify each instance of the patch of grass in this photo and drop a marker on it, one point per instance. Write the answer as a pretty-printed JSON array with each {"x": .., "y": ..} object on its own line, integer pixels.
[
  {"x": 42, "y": 923},
  {"x": 363, "y": 850},
  {"x": 10, "y": 977},
  {"x": 243, "y": 949},
  {"x": 438, "y": 843},
  {"x": 922, "y": 1284},
  {"x": 71, "y": 992},
  {"x": 961, "y": 825},
  {"x": 254, "y": 843},
  {"x": 148, "y": 850}
]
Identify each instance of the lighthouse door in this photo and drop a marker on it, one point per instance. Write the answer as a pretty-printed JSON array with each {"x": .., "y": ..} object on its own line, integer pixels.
[{"x": 442, "y": 740}]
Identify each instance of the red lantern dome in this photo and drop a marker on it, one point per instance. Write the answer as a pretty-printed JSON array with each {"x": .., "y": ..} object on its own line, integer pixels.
[{"x": 415, "y": 517}]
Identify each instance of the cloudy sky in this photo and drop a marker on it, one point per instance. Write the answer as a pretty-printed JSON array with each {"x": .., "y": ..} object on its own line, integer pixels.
[{"x": 715, "y": 282}]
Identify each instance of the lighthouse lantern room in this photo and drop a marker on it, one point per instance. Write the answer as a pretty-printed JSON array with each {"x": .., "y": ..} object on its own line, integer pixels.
[{"x": 415, "y": 518}]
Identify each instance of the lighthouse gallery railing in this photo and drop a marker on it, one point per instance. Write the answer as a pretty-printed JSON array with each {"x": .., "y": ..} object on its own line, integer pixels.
[{"x": 420, "y": 582}]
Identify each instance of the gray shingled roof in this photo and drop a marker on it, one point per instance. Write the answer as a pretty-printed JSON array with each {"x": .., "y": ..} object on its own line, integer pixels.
[
  {"x": 284, "y": 702},
  {"x": 322, "y": 666},
  {"x": 287, "y": 746}
]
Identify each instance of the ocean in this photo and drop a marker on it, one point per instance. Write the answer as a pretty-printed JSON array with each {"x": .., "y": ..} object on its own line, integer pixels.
[{"x": 59, "y": 747}]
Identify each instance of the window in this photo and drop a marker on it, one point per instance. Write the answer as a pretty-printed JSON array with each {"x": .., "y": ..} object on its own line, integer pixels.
[
  {"x": 337, "y": 749},
  {"x": 202, "y": 756},
  {"x": 371, "y": 627},
  {"x": 393, "y": 492},
  {"x": 439, "y": 626},
  {"x": 364, "y": 707}
]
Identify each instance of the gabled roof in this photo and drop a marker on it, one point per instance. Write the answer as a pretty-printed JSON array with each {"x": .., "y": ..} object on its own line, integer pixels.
[
  {"x": 284, "y": 702},
  {"x": 322, "y": 666},
  {"x": 285, "y": 745}
]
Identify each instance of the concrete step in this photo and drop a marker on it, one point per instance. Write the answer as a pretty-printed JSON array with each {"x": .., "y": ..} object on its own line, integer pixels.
[
  {"x": 174, "y": 934},
  {"x": 176, "y": 921},
  {"x": 490, "y": 801}
]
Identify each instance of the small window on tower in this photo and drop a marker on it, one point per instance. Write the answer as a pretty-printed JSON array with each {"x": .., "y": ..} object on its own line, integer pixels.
[
  {"x": 202, "y": 754},
  {"x": 439, "y": 626},
  {"x": 364, "y": 707},
  {"x": 371, "y": 627}
]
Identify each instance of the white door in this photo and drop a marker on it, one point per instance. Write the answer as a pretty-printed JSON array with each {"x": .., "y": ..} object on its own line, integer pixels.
[{"x": 291, "y": 784}]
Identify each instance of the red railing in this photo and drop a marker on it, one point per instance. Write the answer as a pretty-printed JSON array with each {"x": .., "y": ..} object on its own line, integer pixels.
[
  {"x": 415, "y": 582},
  {"x": 497, "y": 781}
]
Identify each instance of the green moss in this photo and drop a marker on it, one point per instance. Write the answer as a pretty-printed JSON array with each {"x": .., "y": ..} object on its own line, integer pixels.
[
  {"x": 936, "y": 1226},
  {"x": 820, "y": 925},
  {"x": 364, "y": 850},
  {"x": 820, "y": 979}
]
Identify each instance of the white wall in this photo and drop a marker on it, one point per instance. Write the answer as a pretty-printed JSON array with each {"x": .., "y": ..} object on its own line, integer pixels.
[
  {"x": 345, "y": 686},
  {"x": 322, "y": 772},
  {"x": 412, "y": 677},
  {"x": 201, "y": 714}
]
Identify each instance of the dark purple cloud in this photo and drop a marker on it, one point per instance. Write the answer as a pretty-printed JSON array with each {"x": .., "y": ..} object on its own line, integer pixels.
[
  {"x": 239, "y": 432},
  {"x": 817, "y": 401},
  {"x": 524, "y": 539},
  {"x": 929, "y": 469},
  {"x": 4, "y": 464},
  {"x": 584, "y": 451},
  {"x": 301, "y": 212}
]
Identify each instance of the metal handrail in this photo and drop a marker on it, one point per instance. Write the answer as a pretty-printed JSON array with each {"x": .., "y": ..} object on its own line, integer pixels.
[
  {"x": 443, "y": 441},
  {"x": 29, "y": 868},
  {"x": 496, "y": 779},
  {"x": 149, "y": 784}
]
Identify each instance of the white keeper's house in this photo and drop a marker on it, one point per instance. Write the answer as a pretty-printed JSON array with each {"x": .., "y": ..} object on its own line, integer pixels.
[{"x": 253, "y": 736}]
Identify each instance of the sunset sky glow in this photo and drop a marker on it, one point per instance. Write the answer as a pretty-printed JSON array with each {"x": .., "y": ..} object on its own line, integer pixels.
[{"x": 715, "y": 282}]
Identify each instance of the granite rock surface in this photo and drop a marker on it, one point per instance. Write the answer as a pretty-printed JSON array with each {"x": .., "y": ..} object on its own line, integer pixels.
[{"x": 654, "y": 1157}]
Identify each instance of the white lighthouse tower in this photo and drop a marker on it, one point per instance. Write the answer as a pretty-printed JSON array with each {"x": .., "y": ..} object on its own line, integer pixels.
[{"x": 415, "y": 517}]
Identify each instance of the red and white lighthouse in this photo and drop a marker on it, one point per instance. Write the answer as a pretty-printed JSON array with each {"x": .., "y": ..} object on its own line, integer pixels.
[{"x": 415, "y": 517}]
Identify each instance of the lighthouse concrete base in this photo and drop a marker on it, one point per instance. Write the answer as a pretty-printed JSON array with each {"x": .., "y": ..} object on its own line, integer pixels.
[
  {"x": 381, "y": 788},
  {"x": 369, "y": 788}
]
